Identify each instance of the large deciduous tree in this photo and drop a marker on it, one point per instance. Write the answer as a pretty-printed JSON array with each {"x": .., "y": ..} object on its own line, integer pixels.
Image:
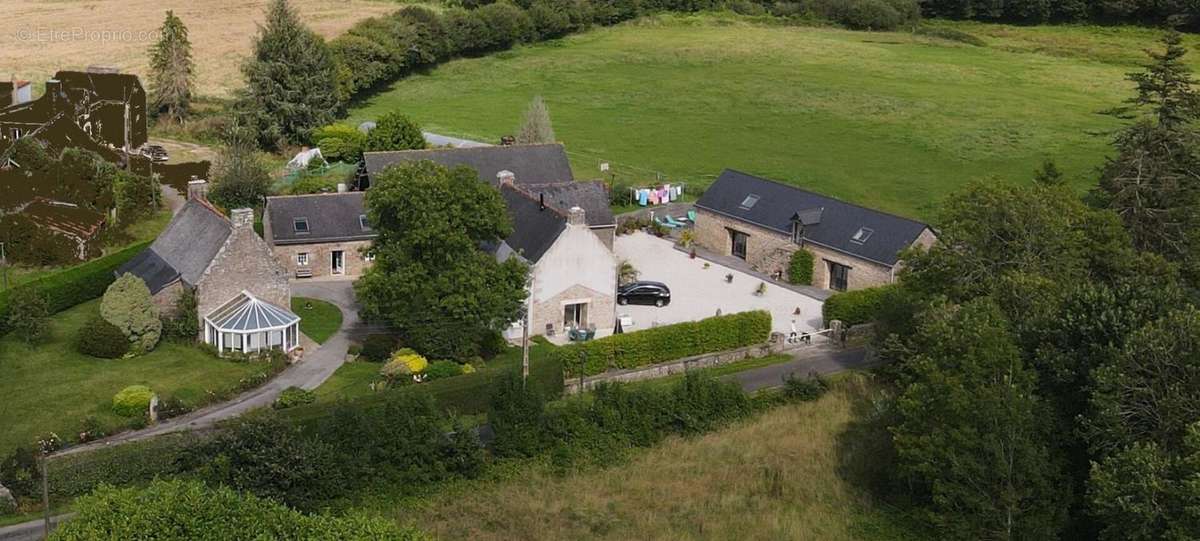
[
  {"x": 172, "y": 70},
  {"x": 431, "y": 280},
  {"x": 394, "y": 131},
  {"x": 291, "y": 79},
  {"x": 970, "y": 439}
]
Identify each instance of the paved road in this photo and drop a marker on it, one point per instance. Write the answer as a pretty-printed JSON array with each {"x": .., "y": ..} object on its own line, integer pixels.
[
  {"x": 822, "y": 360},
  {"x": 446, "y": 141},
  {"x": 310, "y": 373}
]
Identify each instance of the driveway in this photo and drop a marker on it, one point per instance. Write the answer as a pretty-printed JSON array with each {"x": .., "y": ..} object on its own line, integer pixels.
[
  {"x": 309, "y": 373},
  {"x": 697, "y": 292}
]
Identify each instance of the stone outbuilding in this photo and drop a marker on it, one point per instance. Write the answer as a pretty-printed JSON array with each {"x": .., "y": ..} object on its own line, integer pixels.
[
  {"x": 319, "y": 235},
  {"x": 764, "y": 222},
  {"x": 227, "y": 265}
]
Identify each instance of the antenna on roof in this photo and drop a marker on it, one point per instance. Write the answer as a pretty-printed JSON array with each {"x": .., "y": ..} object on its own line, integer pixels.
[{"x": 541, "y": 201}]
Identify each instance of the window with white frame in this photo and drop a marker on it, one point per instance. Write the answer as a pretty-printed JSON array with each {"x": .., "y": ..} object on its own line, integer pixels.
[
  {"x": 300, "y": 225},
  {"x": 302, "y": 258},
  {"x": 369, "y": 256}
]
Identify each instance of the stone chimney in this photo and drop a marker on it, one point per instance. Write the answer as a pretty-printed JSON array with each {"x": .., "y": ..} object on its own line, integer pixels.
[
  {"x": 506, "y": 178},
  {"x": 576, "y": 216},
  {"x": 197, "y": 189},
  {"x": 242, "y": 218}
]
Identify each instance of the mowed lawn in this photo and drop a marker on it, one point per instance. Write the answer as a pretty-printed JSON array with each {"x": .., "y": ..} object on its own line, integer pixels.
[
  {"x": 52, "y": 388},
  {"x": 318, "y": 319},
  {"x": 773, "y": 477},
  {"x": 890, "y": 120}
]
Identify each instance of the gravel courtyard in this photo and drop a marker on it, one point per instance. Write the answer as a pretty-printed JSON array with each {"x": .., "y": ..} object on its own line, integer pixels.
[{"x": 697, "y": 293}]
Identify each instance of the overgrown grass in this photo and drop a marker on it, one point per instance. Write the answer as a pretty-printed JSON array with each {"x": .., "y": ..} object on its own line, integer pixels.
[
  {"x": 891, "y": 120},
  {"x": 318, "y": 319},
  {"x": 50, "y": 387},
  {"x": 772, "y": 477}
]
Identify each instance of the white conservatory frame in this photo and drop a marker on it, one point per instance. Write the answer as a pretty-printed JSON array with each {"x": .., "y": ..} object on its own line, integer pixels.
[{"x": 249, "y": 324}]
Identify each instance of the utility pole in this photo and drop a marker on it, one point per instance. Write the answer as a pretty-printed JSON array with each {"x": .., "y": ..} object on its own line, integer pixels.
[
  {"x": 525, "y": 334},
  {"x": 4, "y": 265},
  {"x": 46, "y": 496}
]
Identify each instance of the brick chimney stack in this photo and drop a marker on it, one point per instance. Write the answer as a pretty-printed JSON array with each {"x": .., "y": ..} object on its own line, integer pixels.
[
  {"x": 197, "y": 189},
  {"x": 242, "y": 218},
  {"x": 577, "y": 216}
]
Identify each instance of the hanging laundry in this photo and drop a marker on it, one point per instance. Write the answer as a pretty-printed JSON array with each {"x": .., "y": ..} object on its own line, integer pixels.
[
  {"x": 654, "y": 197},
  {"x": 643, "y": 197}
]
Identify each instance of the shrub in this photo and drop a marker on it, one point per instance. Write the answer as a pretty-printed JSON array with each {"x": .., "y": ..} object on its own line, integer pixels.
[
  {"x": 548, "y": 21},
  {"x": 504, "y": 25},
  {"x": 294, "y": 396},
  {"x": 405, "y": 361},
  {"x": 804, "y": 389},
  {"x": 339, "y": 142},
  {"x": 132, "y": 401},
  {"x": 700, "y": 403},
  {"x": 401, "y": 441},
  {"x": 800, "y": 268},
  {"x": 863, "y": 14},
  {"x": 175, "y": 509},
  {"x": 667, "y": 343},
  {"x": 29, "y": 314},
  {"x": 443, "y": 369},
  {"x": 73, "y": 286},
  {"x": 516, "y": 417},
  {"x": 184, "y": 321},
  {"x": 271, "y": 459},
  {"x": 19, "y": 473},
  {"x": 395, "y": 131},
  {"x": 127, "y": 304},
  {"x": 860, "y": 306},
  {"x": 378, "y": 347},
  {"x": 136, "y": 196},
  {"x": 101, "y": 339},
  {"x": 130, "y": 463}
]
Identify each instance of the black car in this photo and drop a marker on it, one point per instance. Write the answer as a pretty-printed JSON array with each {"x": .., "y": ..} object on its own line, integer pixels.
[{"x": 656, "y": 293}]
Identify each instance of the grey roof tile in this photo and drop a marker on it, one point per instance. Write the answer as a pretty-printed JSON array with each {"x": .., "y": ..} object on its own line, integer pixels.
[{"x": 331, "y": 217}]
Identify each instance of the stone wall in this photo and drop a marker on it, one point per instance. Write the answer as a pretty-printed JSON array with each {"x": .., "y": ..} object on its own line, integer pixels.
[
  {"x": 601, "y": 311},
  {"x": 320, "y": 257},
  {"x": 680, "y": 366},
  {"x": 769, "y": 251},
  {"x": 243, "y": 263},
  {"x": 166, "y": 298}
]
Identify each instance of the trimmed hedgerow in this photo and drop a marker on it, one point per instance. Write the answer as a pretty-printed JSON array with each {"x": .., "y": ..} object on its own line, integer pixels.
[
  {"x": 859, "y": 306},
  {"x": 800, "y": 268},
  {"x": 132, "y": 463},
  {"x": 668, "y": 343},
  {"x": 75, "y": 285}
]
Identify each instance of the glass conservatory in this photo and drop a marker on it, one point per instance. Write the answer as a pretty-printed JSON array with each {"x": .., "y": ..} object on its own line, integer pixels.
[{"x": 249, "y": 324}]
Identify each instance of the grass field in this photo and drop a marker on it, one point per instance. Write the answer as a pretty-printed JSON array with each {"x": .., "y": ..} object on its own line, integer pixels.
[
  {"x": 52, "y": 388},
  {"x": 318, "y": 319},
  {"x": 891, "y": 120},
  {"x": 40, "y": 37},
  {"x": 773, "y": 477}
]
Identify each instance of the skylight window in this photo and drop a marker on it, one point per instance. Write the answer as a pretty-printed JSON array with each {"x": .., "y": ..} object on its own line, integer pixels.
[
  {"x": 862, "y": 235},
  {"x": 362, "y": 222},
  {"x": 749, "y": 201},
  {"x": 300, "y": 225}
]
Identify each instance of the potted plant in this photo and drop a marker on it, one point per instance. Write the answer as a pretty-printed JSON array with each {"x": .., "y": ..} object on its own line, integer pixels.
[
  {"x": 761, "y": 289},
  {"x": 707, "y": 265},
  {"x": 692, "y": 254},
  {"x": 729, "y": 278}
]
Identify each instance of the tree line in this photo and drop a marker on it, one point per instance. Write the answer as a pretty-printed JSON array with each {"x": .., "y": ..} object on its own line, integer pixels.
[
  {"x": 1046, "y": 353},
  {"x": 1150, "y": 12}
]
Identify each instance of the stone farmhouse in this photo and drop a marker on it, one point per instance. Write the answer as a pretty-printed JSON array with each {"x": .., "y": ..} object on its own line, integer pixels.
[
  {"x": 764, "y": 222},
  {"x": 542, "y": 170},
  {"x": 573, "y": 273},
  {"x": 242, "y": 293},
  {"x": 319, "y": 235}
]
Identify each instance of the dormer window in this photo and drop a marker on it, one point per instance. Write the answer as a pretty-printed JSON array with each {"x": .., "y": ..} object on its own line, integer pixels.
[
  {"x": 362, "y": 222},
  {"x": 749, "y": 201},
  {"x": 300, "y": 226},
  {"x": 862, "y": 235}
]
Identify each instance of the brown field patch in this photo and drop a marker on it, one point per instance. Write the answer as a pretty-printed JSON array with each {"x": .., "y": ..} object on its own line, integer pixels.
[{"x": 40, "y": 37}]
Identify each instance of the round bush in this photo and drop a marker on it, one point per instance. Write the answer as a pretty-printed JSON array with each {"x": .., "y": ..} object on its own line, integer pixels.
[
  {"x": 403, "y": 362},
  {"x": 378, "y": 347},
  {"x": 127, "y": 303},
  {"x": 868, "y": 15},
  {"x": 133, "y": 401},
  {"x": 443, "y": 369},
  {"x": 101, "y": 339},
  {"x": 294, "y": 396},
  {"x": 800, "y": 268}
]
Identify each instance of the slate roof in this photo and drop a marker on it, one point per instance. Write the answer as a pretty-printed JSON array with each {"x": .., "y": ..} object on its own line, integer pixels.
[
  {"x": 534, "y": 229},
  {"x": 530, "y": 164},
  {"x": 837, "y": 222},
  {"x": 591, "y": 196},
  {"x": 331, "y": 218},
  {"x": 184, "y": 250}
]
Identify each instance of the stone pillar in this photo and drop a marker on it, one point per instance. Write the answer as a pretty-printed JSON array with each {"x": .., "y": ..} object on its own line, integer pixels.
[
  {"x": 576, "y": 216},
  {"x": 197, "y": 188}
]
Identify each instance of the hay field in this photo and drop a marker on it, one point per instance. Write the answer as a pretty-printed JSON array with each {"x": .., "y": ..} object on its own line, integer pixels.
[{"x": 40, "y": 37}]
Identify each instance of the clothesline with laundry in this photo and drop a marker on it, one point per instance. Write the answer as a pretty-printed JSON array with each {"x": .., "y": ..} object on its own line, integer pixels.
[{"x": 656, "y": 195}]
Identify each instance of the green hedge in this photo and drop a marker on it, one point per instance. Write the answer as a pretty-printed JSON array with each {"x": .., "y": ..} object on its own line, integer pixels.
[
  {"x": 860, "y": 306},
  {"x": 668, "y": 343},
  {"x": 77, "y": 284},
  {"x": 800, "y": 268},
  {"x": 128, "y": 464}
]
